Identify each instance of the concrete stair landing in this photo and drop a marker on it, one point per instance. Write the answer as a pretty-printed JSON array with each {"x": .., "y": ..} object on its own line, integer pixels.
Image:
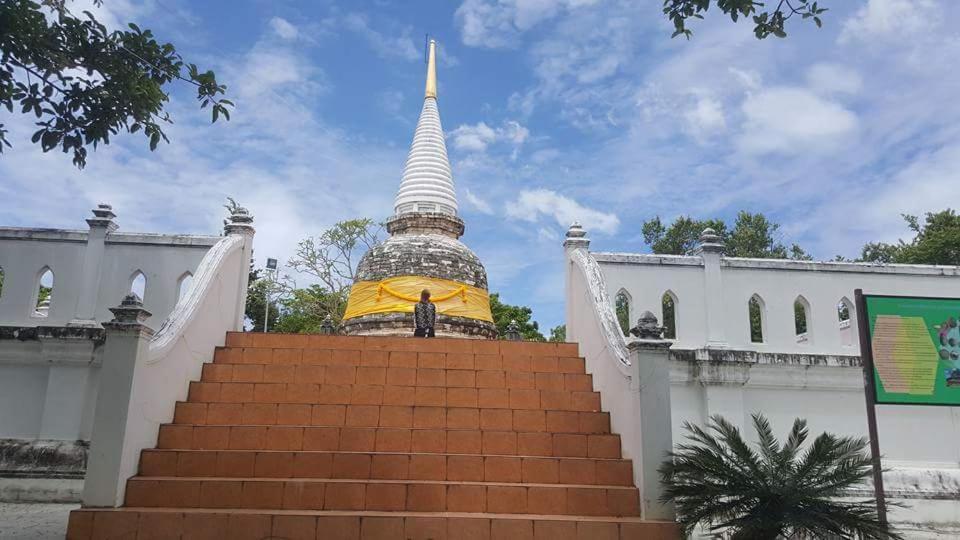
[{"x": 331, "y": 437}]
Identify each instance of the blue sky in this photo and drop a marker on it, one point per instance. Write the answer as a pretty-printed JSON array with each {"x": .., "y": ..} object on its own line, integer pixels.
[{"x": 554, "y": 111}]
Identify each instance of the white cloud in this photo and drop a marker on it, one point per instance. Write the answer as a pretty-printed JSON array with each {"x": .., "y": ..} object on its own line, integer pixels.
[
  {"x": 401, "y": 46},
  {"x": 793, "y": 121},
  {"x": 478, "y": 204},
  {"x": 531, "y": 205},
  {"x": 706, "y": 117},
  {"x": 886, "y": 18},
  {"x": 477, "y": 137},
  {"x": 283, "y": 28},
  {"x": 831, "y": 78},
  {"x": 497, "y": 23}
]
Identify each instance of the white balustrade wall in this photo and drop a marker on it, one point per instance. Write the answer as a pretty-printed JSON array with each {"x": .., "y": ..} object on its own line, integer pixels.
[
  {"x": 715, "y": 368},
  {"x": 51, "y": 379}
]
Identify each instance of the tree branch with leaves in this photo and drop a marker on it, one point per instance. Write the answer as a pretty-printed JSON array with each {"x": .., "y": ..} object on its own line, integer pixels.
[
  {"x": 766, "y": 21},
  {"x": 84, "y": 83},
  {"x": 332, "y": 258}
]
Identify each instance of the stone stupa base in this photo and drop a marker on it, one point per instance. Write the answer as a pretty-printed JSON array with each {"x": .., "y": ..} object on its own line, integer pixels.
[{"x": 401, "y": 324}]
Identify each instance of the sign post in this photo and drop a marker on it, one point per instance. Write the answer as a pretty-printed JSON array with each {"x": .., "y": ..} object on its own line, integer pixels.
[
  {"x": 910, "y": 347},
  {"x": 870, "y": 391}
]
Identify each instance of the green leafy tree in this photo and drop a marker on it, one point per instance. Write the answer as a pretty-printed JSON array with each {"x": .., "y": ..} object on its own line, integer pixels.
[
  {"x": 766, "y": 21},
  {"x": 85, "y": 84},
  {"x": 256, "y": 306},
  {"x": 936, "y": 241},
  {"x": 558, "y": 334},
  {"x": 681, "y": 237},
  {"x": 304, "y": 310},
  {"x": 788, "y": 490},
  {"x": 752, "y": 235},
  {"x": 504, "y": 313},
  {"x": 332, "y": 258}
]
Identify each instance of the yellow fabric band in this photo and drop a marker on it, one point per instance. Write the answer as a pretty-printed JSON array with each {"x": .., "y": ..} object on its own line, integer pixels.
[{"x": 399, "y": 294}]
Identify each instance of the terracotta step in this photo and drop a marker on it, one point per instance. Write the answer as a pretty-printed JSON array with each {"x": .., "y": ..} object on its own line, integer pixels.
[
  {"x": 208, "y": 524},
  {"x": 347, "y": 439},
  {"x": 375, "y": 394},
  {"x": 393, "y": 416},
  {"x": 385, "y": 466},
  {"x": 382, "y": 495},
  {"x": 374, "y": 343},
  {"x": 408, "y": 359},
  {"x": 396, "y": 376}
]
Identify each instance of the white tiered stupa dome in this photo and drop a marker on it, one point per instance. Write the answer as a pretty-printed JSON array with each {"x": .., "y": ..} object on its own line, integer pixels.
[{"x": 427, "y": 183}]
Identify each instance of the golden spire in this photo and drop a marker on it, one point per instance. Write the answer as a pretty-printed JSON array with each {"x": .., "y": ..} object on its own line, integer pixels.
[{"x": 431, "y": 90}]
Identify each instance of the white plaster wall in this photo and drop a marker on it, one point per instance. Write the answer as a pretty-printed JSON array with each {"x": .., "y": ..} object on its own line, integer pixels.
[
  {"x": 163, "y": 259},
  {"x": 920, "y": 444},
  {"x": 647, "y": 277},
  {"x": 22, "y": 391}
]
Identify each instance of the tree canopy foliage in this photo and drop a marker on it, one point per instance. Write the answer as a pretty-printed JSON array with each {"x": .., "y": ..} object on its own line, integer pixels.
[
  {"x": 766, "y": 21},
  {"x": 936, "y": 240},
  {"x": 504, "y": 313},
  {"x": 84, "y": 83},
  {"x": 752, "y": 235},
  {"x": 776, "y": 490}
]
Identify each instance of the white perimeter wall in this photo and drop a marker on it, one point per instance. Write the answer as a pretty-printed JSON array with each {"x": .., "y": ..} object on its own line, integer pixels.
[{"x": 718, "y": 370}]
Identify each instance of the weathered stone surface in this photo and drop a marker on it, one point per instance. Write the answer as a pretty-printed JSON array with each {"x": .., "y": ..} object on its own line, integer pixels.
[
  {"x": 429, "y": 255},
  {"x": 422, "y": 244}
]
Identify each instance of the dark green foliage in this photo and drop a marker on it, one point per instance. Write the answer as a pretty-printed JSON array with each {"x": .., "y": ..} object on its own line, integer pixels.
[
  {"x": 558, "y": 333},
  {"x": 669, "y": 317},
  {"x": 504, "y": 313},
  {"x": 256, "y": 305},
  {"x": 304, "y": 310},
  {"x": 936, "y": 241},
  {"x": 622, "y": 309},
  {"x": 788, "y": 490},
  {"x": 756, "y": 320},
  {"x": 766, "y": 22},
  {"x": 799, "y": 318},
  {"x": 84, "y": 84},
  {"x": 753, "y": 235},
  {"x": 681, "y": 237}
]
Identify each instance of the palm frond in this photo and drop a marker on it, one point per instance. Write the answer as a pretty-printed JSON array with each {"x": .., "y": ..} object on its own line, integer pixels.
[{"x": 716, "y": 479}]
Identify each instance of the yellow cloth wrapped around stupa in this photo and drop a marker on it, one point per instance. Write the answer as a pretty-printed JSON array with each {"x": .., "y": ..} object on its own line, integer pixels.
[{"x": 399, "y": 294}]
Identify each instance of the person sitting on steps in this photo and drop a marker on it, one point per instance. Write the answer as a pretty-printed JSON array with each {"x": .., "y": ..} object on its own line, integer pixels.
[{"x": 424, "y": 316}]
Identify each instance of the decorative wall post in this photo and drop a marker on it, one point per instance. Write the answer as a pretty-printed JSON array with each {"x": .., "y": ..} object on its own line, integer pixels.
[
  {"x": 650, "y": 358},
  {"x": 711, "y": 251},
  {"x": 576, "y": 239},
  {"x": 126, "y": 348},
  {"x": 240, "y": 223},
  {"x": 102, "y": 224}
]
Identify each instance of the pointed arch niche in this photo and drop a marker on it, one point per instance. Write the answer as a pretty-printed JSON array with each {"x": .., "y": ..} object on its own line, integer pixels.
[
  {"x": 138, "y": 284},
  {"x": 756, "y": 318},
  {"x": 184, "y": 282},
  {"x": 621, "y": 306},
  {"x": 44, "y": 295},
  {"x": 846, "y": 319},
  {"x": 1, "y": 282},
  {"x": 801, "y": 320},
  {"x": 668, "y": 314}
]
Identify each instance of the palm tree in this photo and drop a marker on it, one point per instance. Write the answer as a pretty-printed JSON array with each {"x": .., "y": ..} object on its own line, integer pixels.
[{"x": 776, "y": 491}]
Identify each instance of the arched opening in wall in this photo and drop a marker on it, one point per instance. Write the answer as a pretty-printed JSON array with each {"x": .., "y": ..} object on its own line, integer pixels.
[
  {"x": 44, "y": 292},
  {"x": 183, "y": 284},
  {"x": 138, "y": 284},
  {"x": 668, "y": 308},
  {"x": 758, "y": 323},
  {"x": 801, "y": 319},
  {"x": 845, "y": 321},
  {"x": 1, "y": 282},
  {"x": 621, "y": 304}
]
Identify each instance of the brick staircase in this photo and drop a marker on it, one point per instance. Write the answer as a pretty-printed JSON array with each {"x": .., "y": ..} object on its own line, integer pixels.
[{"x": 331, "y": 437}]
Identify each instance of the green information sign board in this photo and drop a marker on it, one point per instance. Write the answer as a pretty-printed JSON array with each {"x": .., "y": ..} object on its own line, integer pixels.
[{"x": 915, "y": 345}]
